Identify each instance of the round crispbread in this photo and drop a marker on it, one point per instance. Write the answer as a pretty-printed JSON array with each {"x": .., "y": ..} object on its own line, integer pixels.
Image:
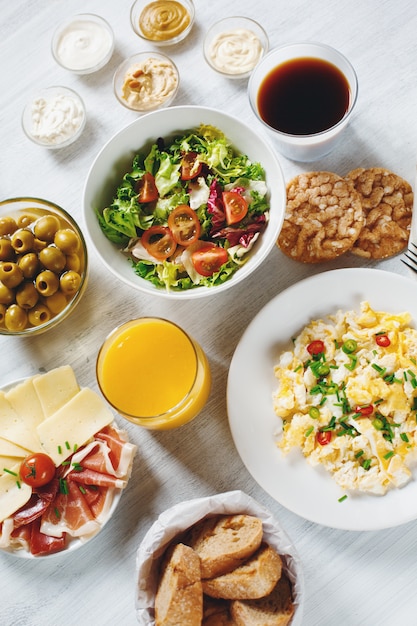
[
  {"x": 387, "y": 203},
  {"x": 323, "y": 217}
]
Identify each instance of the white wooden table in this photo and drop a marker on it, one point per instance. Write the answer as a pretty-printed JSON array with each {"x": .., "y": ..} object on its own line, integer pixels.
[{"x": 351, "y": 578}]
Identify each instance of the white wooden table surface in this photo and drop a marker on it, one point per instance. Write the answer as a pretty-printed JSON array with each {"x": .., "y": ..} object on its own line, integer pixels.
[{"x": 352, "y": 578}]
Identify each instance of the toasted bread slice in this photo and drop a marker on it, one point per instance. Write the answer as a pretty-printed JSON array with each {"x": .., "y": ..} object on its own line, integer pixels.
[
  {"x": 255, "y": 578},
  {"x": 179, "y": 596},
  {"x": 275, "y": 609},
  {"x": 224, "y": 542}
]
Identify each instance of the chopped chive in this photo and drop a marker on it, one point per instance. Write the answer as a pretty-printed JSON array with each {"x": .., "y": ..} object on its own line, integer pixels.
[
  {"x": 9, "y": 471},
  {"x": 359, "y": 454},
  {"x": 63, "y": 486},
  {"x": 342, "y": 498},
  {"x": 413, "y": 383},
  {"x": 379, "y": 369},
  {"x": 356, "y": 415},
  {"x": 379, "y": 401},
  {"x": 68, "y": 447},
  {"x": 81, "y": 488},
  {"x": 366, "y": 464},
  {"x": 77, "y": 467},
  {"x": 413, "y": 360},
  {"x": 19, "y": 486},
  {"x": 66, "y": 463},
  {"x": 404, "y": 437},
  {"x": 388, "y": 455},
  {"x": 59, "y": 450},
  {"x": 298, "y": 368},
  {"x": 75, "y": 447},
  {"x": 57, "y": 513}
]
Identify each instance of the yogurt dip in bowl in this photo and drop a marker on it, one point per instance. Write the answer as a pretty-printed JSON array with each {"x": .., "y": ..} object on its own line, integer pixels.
[
  {"x": 54, "y": 117},
  {"x": 234, "y": 45},
  {"x": 83, "y": 43}
]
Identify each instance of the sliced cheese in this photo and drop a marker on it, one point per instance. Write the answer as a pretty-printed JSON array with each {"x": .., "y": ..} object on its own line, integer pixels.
[
  {"x": 7, "y": 462},
  {"x": 7, "y": 448},
  {"x": 13, "y": 493},
  {"x": 13, "y": 429},
  {"x": 55, "y": 388},
  {"x": 74, "y": 424},
  {"x": 25, "y": 401}
]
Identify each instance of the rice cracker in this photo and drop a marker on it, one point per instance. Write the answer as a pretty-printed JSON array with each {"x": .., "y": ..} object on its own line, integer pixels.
[
  {"x": 387, "y": 202},
  {"x": 323, "y": 217}
]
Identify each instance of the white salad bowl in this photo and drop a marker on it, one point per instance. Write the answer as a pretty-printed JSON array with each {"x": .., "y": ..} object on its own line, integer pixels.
[{"x": 115, "y": 159}]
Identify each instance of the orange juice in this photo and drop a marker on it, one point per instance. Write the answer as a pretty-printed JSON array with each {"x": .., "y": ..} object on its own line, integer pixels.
[{"x": 153, "y": 373}]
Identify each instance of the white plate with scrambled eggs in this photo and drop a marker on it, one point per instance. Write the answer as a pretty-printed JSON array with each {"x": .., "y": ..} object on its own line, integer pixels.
[{"x": 322, "y": 399}]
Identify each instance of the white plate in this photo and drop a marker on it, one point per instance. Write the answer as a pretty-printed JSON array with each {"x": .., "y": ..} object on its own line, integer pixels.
[
  {"x": 73, "y": 542},
  {"x": 309, "y": 492}
]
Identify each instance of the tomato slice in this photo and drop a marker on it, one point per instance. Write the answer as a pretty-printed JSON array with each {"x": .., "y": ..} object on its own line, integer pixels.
[
  {"x": 190, "y": 166},
  {"x": 37, "y": 469},
  {"x": 316, "y": 347},
  {"x": 159, "y": 242},
  {"x": 324, "y": 437},
  {"x": 184, "y": 225},
  {"x": 208, "y": 260},
  {"x": 235, "y": 206},
  {"x": 383, "y": 341},
  {"x": 146, "y": 188},
  {"x": 368, "y": 409}
]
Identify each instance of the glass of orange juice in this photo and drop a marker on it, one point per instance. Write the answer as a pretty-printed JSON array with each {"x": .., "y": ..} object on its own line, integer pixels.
[{"x": 153, "y": 373}]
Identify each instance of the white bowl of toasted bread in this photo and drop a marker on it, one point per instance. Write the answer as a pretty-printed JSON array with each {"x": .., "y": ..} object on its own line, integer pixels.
[{"x": 219, "y": 560}]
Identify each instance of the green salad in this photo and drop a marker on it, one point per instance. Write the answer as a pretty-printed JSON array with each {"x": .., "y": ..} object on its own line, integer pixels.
[{"x": 189, "y": 211}]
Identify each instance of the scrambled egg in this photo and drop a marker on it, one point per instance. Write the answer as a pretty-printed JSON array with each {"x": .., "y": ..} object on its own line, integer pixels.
[{"x": 347, "y": 396}]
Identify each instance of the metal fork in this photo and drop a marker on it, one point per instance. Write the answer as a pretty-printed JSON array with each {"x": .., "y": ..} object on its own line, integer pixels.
[{"x": 411, "y": 256}]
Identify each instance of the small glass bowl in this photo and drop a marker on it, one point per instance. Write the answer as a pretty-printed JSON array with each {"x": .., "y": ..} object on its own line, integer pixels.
[
  {"x": 164, "y": 38},
  {"x": 54, "y": 117},
  {"x": 239, "y": 53},
  {"x": 76, "y": 46},
  {"x": 25, "y": 211},
  {"x": 153, "y": 66}
]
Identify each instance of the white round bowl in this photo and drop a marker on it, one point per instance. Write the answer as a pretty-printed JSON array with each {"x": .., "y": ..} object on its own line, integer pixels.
[{"x": 115, "y": 159}]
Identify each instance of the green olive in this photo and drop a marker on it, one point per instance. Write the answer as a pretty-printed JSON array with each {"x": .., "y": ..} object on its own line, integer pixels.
[
  {"x": 25, "y": 220},
  {"x": 27, "y": 295},
  {"x": 6, "y": 295},
  {"x": 22, "y": 240},
  {"x": 10, "y": 274},
  {"x": 45, "y": 227},
  {"x": 73, "y": 263},
  {"x": 67, "y": 240},
  {"x": 7, "y": 225},
  {"x": 53, "y": 259},
  {"x": 29, "y": 264},
  {"x": 15, "y": 318},
  {"x": 40, "y": 314},
  {"x": 47, "y": 283},
  {"x": 70, "y": 282},
  {"x": 38, "y": 244},
  {"x": 3, "y": 309},
  {"x": 7, "y": 252},
  {"x": 57, "y": 302}
]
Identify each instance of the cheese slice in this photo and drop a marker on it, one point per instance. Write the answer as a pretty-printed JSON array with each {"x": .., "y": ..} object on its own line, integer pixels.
[
  {"x": 13, "y": 493},
  {"x": 7, "y": 462},
  {"x": 13, "y": 429},
  {"x": 55, "y": 388},
  {"x": 74, "y": 424},
  {"x": 25, "y": 401},
  {"x": 7, "y": 448}
]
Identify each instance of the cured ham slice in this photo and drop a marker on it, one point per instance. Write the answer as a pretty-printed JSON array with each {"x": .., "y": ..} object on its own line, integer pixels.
[
  {"x": 121, "y": 451},
  {"x": 91, "y": 477},
  {"x": 44, "y": 544},
  {"x": 69, "y": 513}
]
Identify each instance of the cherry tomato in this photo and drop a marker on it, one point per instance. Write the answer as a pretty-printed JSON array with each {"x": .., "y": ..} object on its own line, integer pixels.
[
  {"x": 324, "y": 437},
  {"x": 159, "y": 242},
  {"x": 209, "y": 259},
  {"x": 146, "y": 188},
  {"x": 184, "y": 225},
  {"x": 37, "y": 470},
  {"x": 315, "y": 347},
  {"x": 365, "y": 410},
  {"x": 383, "y": 341},
  {"x": 235, "y": 206},
  {"x": 190, "y": 166}
]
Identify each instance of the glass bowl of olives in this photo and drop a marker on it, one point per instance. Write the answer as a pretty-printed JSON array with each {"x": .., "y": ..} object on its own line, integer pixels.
[{"x": 43, "y": 265}]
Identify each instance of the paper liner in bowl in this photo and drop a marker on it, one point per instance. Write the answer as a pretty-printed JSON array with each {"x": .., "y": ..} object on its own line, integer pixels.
[{"x": 174, "y": 521}]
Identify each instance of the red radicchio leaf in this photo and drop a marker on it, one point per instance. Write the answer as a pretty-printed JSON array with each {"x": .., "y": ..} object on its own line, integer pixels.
[
  {"x": 242, "y": 236},
  {"x": 215, "y": 206}
]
